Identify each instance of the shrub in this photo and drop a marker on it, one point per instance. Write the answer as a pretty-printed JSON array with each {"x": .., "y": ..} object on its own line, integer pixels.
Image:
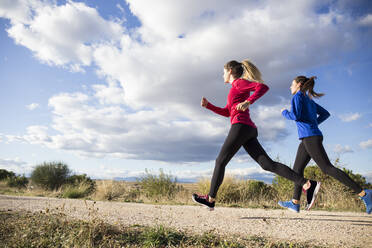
[
  {"x": 50, "y": 175},
  {"x": 234, "y": 190},
  {"x": 4, "y": 174},
  {"x": 110, "y": 190},
  {"x": 253, "y": 190},
  {"x": 17, "y": 181},
  {"x": 283, "y": 187},
  {"x": 82, "y": 181},
  {"x": 76, "y": 191},
  {"x": 228, "y": 191},
  {"x": 159, "y": 186}
]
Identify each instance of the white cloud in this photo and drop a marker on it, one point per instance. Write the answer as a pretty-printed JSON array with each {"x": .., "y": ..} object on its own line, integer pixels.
[
  {"x": 109, "y": 94},
  {"x": 150, "y": 107},
  {"x": 366, "y": 144},
  {"x": 368, "y": 176},
  {"x": 270, "y": 123},
  {"x": 107, "y": 172},
  {"x": 59, "y": 35},
  {"x": 350, "y": 117},
  {"x": 342, "y": 149},
  {"x": 366, "y": 20},
  {"x": 183, "y": 66},
  {"x": 15, "y": 165},
  {"x": 99, "y": 130},
  {"x": 19, "y": 10},
  {"x": 35, "y": 135},
  {"x": 32, "y": 106}
]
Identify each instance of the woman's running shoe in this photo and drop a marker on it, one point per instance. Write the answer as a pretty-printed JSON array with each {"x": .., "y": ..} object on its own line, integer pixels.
[
  {"x": 311, "y": 194},
  {"x": 367, "y": 199},
  {"x": 203, "y": 200},
  {"x": 290, "y": 205}
]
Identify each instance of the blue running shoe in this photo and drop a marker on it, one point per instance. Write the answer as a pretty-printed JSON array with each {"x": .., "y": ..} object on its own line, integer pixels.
[
  {"x": 367, "y": 199},
  {"x": 290, "y": 205}
]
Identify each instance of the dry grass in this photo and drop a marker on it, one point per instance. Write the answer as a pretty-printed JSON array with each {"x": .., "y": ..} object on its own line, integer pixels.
[
  {"x": 241, "y": 193},
  {"x": 80, "y": 190},
  {"x": 47, "y": 229},
  {"x": 110, "y": 190},
  {"x": 233, "y": 192},
  {"x": 30, "y": 190}
]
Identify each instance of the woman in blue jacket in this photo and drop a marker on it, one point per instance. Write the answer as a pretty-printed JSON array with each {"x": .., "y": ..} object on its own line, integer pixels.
[{"x": 308, "y": 115}]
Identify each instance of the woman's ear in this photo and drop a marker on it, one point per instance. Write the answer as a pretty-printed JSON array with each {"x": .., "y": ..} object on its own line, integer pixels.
[{"x": 229, "y": 73}]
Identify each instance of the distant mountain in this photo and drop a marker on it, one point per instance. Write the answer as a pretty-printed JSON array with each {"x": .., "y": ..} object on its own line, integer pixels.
[
  {"x": 258, "y": 177},
  {"x": 127, "y": 179}
]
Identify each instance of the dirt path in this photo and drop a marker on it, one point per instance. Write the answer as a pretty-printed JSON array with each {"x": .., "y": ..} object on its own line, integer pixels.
[{"x": 338, "y": 229}]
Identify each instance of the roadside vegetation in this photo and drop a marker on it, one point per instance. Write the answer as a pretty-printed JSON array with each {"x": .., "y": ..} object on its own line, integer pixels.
[
  {"x": 54, "y": 179},
  {"x": 44, "y": 229},
  {"x": 56, "y": 229}
]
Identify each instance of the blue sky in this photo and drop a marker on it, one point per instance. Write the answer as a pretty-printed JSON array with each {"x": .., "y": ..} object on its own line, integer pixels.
[{"x": 113, "y": 87}]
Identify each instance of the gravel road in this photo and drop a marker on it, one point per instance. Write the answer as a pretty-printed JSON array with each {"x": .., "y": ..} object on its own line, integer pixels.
[{"x": 334, "y": 229}]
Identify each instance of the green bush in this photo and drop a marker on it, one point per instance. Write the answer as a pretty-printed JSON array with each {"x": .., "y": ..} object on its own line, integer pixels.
[
  {"x": 76, "y": 191},
  {"x": 283, "y": 187},
  {"x": 252, "y": 190},
  {"x": 159, "y": 186},
  {"x": 234, "y": 190},
  {"x": 17, "y": 181},
  {"x": 78, "y": 180},
  {"x": 50, "y": 175},
  {"x": 78, "y": 186},
  {"x": 4, "y": 174}
]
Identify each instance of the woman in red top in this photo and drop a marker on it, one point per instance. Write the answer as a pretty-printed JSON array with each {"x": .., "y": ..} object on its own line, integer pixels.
[{"x": 244, "y": 78}]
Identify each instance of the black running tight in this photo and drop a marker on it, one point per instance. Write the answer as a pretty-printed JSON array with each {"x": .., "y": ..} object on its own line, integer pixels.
[
  {"x": 312, "y": 147},
  {"x": 246, "y": 136}
]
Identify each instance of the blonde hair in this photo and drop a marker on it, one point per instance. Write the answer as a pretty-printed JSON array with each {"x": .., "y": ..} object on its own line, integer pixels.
[{"x": 251, "y": 72}]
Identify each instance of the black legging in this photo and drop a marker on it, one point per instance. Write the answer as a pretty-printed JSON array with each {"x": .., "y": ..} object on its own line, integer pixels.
[
  {"x": 246, "y": 136},
  {"x": 312, "y": 147}
]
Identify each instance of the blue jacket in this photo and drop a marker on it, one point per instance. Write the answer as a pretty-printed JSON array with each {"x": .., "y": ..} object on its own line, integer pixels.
[{"x": 307, "y": 114}]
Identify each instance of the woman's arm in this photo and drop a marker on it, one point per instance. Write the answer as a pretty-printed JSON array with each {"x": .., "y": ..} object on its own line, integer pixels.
[
  {"x": 221, "y": 111},
  {"x": 323, "y": 114},
  {"x": 259, "y": 89},
  {"x": 296, "y": 110}
]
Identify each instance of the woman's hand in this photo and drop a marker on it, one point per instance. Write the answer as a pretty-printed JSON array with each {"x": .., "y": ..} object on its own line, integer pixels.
[
  {"x": 243, "y": 106},
  {"x": 281, "y": 111},
  {"x": 204, "y": 102}
]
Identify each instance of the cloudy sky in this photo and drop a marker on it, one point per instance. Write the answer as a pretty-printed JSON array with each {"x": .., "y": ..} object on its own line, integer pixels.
[{"x": 113, "y": 87}]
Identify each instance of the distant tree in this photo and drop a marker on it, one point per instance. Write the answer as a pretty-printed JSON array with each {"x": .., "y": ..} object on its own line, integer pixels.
[
  {"x": 17, "y": 181},
  {"x": 50, "y": 175},
  {"x": 4, "y": 174}
]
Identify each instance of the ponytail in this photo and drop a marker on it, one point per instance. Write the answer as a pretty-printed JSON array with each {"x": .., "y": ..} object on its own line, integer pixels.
[
  {"x": 251, "y": 72},
  {"x": 245, "y": 69},
  {"x": 307, "y": 86}
]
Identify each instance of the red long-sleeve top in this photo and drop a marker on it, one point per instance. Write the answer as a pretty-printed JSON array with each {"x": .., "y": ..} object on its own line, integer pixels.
[{"x": 239, "y": 92}]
